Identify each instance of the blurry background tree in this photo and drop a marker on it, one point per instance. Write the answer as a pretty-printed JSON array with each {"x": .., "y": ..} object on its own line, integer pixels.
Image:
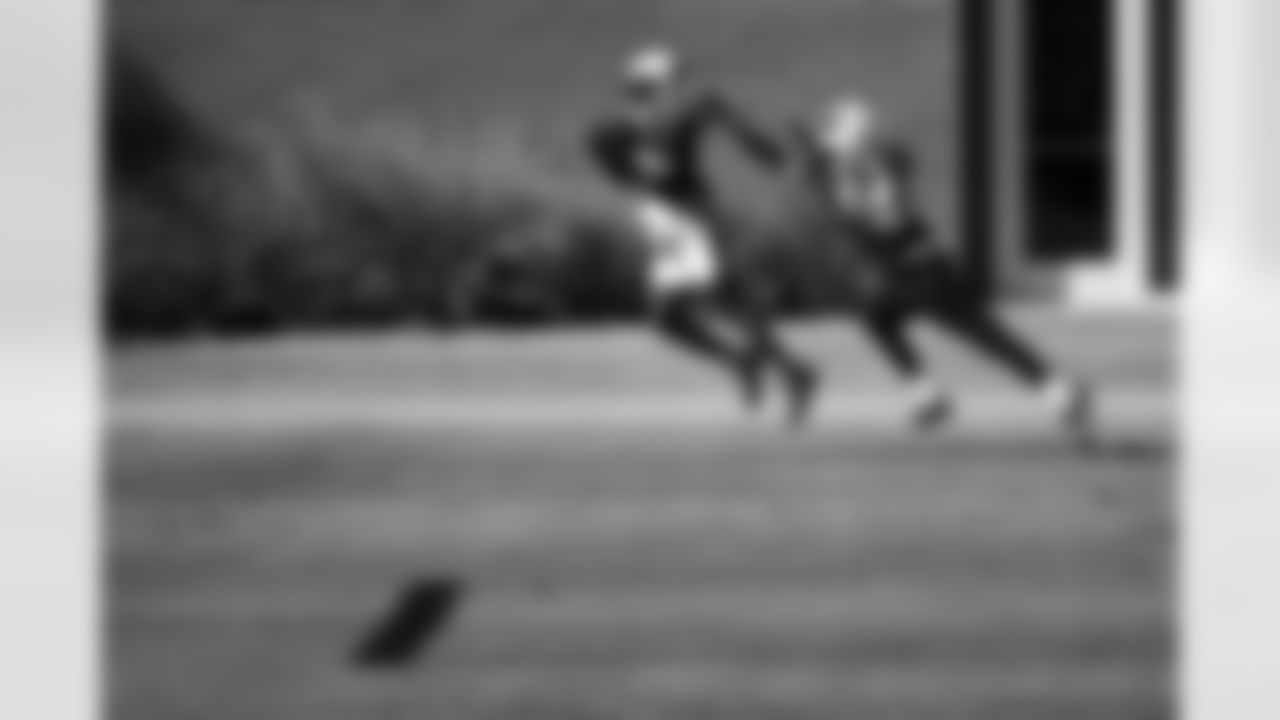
[{"x": 327, "y": 163}]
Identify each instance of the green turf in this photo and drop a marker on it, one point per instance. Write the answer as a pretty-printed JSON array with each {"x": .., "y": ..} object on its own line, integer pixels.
[
  {"x": 616, "y": 570},
  {"x": 1131, "y": 352}
]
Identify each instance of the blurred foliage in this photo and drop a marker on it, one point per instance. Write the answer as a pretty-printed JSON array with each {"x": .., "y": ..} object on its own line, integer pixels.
[{"x": 329, "y": 224}]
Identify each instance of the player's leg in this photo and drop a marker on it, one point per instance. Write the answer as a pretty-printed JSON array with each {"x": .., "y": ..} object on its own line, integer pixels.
[
  {"x": 767, "y": 351},
  {"x": 683, "y": 275},
  {"x": 879, "y": 307},
  {"x": 689, "y": 320},
  {"x": 979, "y": 326},
  {"x": 887, "y": 326},
  {"x": 981, "y": 330}
]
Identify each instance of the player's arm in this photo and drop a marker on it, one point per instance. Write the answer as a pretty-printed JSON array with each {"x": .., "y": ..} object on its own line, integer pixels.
[
  {"x": 897, "y": 163},
  {"x": 607, "y": 147},
  {"x": 745, "y": 132},
  {"x": 897, "y": 159},
  {"x": 804, "y": 159}
]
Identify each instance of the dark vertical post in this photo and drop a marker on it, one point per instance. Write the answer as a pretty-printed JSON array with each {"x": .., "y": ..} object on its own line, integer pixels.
[
  {"x": 1166, "y": 132},
  {"x": 976, "y": 48}
]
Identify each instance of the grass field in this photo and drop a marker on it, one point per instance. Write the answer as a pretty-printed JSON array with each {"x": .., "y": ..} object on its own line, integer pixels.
[{"x": 627, "y": 545}]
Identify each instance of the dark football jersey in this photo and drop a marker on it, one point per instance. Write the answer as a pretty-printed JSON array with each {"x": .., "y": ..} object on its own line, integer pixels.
[
  {"x": 871, "y": 194},
  {"x": 659, "y": 153},
  {"x": 876, "y": 180}
]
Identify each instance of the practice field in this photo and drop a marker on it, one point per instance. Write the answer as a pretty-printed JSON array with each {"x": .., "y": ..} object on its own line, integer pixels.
[{"x": 625, "y": 543}]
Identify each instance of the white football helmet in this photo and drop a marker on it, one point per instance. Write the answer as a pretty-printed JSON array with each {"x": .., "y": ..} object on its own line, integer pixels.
[
  {"x": 848, "y": 124},
  {"x": 653, "y": 66}
]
